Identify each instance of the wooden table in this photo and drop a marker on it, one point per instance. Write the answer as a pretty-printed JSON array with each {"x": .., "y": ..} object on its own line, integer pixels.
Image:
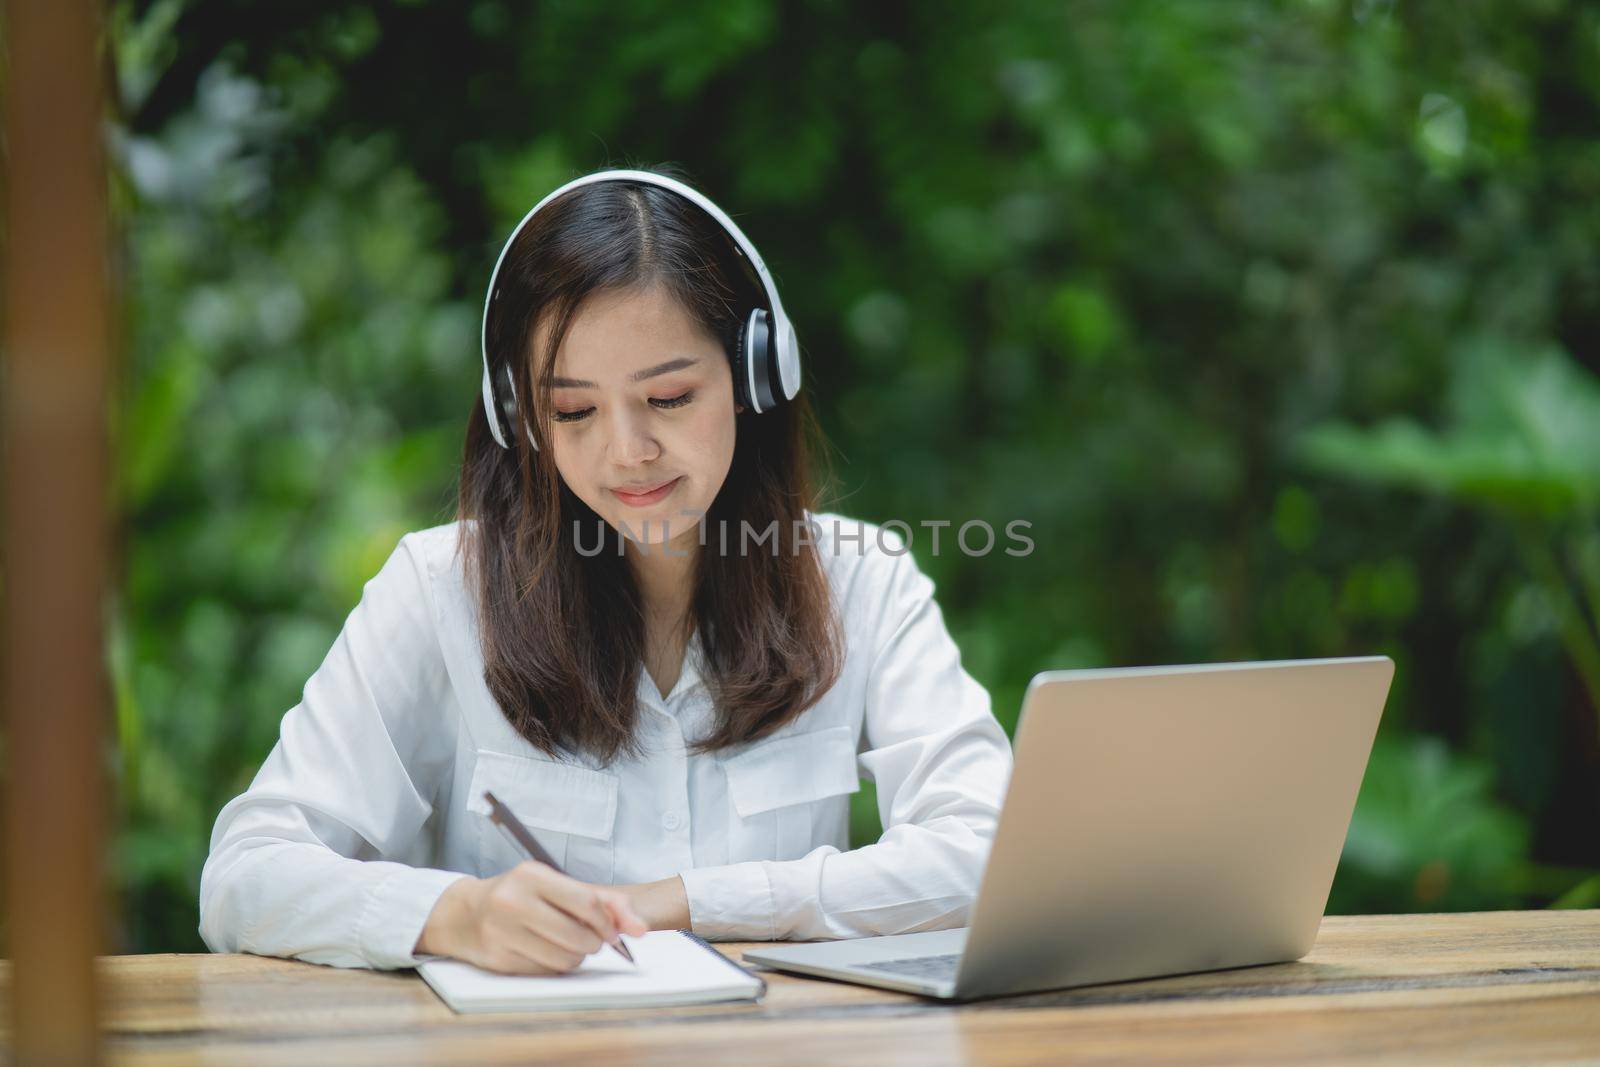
[{"x": 1486, "y": 987}]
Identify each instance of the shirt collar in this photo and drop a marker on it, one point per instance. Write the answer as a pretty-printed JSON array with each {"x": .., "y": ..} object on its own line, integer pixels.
[{"x": 689, "y": 677}]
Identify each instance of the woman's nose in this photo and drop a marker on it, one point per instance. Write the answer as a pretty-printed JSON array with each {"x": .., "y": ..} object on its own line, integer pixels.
[{"x": 631, "y": 442}]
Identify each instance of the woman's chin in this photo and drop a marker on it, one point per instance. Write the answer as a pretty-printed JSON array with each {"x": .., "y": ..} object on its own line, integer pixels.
[{"x": 654, "y": 533}]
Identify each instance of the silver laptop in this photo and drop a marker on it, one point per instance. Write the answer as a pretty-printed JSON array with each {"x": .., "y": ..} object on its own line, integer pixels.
[{"x": 1159, "y": 820}]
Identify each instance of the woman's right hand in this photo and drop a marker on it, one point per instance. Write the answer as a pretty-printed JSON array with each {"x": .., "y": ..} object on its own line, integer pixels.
[{"x": 532, "y": 919}]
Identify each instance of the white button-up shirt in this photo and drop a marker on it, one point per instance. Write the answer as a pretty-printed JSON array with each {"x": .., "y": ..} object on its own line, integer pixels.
[{"x": 371, "y": 802}]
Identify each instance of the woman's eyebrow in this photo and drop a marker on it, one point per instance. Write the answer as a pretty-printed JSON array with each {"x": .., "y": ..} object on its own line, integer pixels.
[{"x": 637, "y": 376}]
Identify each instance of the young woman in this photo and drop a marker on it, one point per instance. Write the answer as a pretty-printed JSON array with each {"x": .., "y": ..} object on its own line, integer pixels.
[{"x": 637, "y": 636}]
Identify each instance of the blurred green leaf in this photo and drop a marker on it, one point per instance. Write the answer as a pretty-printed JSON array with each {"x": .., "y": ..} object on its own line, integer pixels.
[
  {"x": 1428, "y": 834},
  {"x": 1524, "y": 435}
]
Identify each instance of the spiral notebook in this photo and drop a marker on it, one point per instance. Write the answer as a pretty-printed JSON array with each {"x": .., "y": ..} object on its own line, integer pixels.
[{"x": 671, "y": 967}]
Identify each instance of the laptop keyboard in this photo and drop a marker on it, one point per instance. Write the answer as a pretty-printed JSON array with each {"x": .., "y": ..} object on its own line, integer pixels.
[{"x": 937, "y": 968}]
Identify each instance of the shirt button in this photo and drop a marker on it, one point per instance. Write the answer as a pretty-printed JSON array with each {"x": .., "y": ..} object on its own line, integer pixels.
[{"x": 670, "y": 820}]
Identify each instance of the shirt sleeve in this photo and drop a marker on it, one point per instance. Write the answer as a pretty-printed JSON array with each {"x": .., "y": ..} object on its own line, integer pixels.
[
  {"x": 303, "y": 863},
  {"x": 941, "y": 764}
]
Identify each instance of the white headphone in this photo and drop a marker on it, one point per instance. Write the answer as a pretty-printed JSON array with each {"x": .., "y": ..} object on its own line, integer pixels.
[{"x": 766, "y": 356}]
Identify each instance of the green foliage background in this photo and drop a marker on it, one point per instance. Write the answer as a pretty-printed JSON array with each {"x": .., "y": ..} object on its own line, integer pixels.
[{"x": 1196, "y": 289}]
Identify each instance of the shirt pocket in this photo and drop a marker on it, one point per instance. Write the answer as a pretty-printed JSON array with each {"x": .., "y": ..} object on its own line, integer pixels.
[
  {"x": 570, "y": 810},
  {"x": 792, "y": 794}
]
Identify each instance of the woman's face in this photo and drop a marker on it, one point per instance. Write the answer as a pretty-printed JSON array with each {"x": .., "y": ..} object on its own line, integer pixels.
[{"x": 642, "y": 400}]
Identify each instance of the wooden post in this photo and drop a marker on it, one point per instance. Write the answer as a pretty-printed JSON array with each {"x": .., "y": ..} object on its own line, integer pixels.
[{"x": 57, "y": 352}]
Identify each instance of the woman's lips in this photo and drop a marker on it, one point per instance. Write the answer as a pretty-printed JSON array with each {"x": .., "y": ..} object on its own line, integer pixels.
[{"x": 645, "y": 499}]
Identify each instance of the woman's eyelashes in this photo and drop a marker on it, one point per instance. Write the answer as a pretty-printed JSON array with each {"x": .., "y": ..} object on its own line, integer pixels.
[
  {"x": 656, "y": 401},
  {"x": 673, "y": 401}
]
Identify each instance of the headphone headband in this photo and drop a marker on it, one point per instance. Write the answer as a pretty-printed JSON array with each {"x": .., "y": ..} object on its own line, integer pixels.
[{"x": 781, "y": 332}]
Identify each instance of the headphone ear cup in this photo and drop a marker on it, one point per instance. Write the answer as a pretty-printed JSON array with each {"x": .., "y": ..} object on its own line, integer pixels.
[
  {"x": 738, "y": 355},
  {"x": 759, "y": 360},
  {"x": 510, "y": 418}
]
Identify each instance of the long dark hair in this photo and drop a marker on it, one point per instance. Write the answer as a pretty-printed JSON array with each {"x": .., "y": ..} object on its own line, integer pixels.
[{"x": 562, "y": 633}]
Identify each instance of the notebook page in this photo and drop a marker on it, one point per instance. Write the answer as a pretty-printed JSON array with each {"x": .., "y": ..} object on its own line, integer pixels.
[{"x": 671, "y": 968}]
